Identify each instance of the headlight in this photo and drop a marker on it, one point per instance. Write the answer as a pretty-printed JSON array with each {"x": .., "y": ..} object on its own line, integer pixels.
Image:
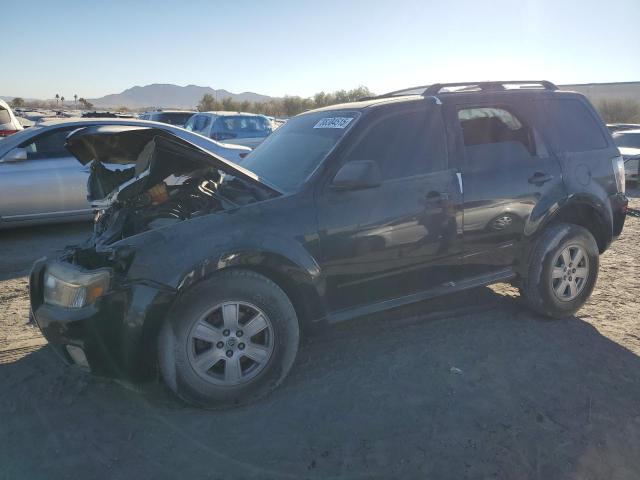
[
  {"x": 67, "y": 286},
  {"x": 618, "y": 172}
]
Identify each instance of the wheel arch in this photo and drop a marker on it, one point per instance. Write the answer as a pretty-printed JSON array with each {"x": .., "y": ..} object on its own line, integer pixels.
[
  {"x": 299, "y": 282},
  {"x": 587, "y": 212}
]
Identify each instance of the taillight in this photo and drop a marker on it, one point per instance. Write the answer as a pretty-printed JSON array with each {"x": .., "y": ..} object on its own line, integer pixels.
[
  {"x": 6, "y": 133},
  {"x": 618, "y": 172}
]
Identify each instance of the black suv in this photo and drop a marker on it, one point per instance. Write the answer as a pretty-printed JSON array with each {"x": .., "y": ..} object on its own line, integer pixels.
[{"x": 209, "y": 271}]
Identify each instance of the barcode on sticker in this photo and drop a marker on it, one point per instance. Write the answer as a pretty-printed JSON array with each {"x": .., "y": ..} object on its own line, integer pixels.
[{"x": 333, "y": 122}]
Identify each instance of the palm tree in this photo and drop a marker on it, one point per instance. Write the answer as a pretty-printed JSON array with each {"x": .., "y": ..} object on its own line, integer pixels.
[
  {"x": 57, "y": 97},
  {"x": 75, "y": 100},
  {"x": 62, "y": 100}
]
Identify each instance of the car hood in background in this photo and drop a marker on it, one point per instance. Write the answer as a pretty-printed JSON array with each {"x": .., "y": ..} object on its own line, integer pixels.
[
  {"x": 628, "y": 152},
  {"x": 151, "y": 154}
]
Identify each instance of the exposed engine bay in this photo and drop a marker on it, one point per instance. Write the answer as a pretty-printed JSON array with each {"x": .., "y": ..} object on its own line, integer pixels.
[
  {"x": 164, "y": 180},
  {"x": 158, "y": 206}
]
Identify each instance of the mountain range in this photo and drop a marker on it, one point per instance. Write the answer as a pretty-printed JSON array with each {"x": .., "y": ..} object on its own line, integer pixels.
[{"x": 165, "y": 95}]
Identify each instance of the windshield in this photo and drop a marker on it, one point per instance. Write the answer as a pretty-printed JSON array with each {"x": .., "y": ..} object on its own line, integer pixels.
[
  {"x": 631, "y": 140},
  {"x": 289, "y": 155}
]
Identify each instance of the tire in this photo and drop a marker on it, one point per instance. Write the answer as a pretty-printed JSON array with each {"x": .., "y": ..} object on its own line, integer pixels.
[
  {"x": 184, "y": 356},
  {"x": 543, "y": 288}
]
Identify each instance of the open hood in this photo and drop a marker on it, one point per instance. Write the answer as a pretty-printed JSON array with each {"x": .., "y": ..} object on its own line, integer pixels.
[
  {"x": 144, "y": 178},
  {"x": 149, "y": 156}
]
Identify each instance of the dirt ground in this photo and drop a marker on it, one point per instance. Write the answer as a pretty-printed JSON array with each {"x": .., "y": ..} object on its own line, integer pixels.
[{"x": 469, "y": 386}]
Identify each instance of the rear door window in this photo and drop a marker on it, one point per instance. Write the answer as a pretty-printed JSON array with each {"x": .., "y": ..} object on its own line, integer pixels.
[
  {"x": 497, "y": 138},
  {"x": 489, "y": 125},
  {"x": 403, "y": 144},
  {"x": 573, "y": 127}
]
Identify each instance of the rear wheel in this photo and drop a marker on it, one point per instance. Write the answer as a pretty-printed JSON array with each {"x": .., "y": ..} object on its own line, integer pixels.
[
  {"x": 563, "y": 268},
  {"x": 230, "y": 340}
]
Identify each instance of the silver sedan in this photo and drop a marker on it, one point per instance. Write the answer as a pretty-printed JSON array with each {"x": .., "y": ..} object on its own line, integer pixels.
[{"x": 41, "y": 182}]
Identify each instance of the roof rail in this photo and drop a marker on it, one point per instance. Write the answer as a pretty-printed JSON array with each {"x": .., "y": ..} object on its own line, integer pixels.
[
  {"x": 490, "y": 86},
  {"x": 435, "y": 89}
]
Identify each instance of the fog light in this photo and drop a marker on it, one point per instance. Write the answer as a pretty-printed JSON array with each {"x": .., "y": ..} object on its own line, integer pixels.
[{"x": 78, "y": 356}]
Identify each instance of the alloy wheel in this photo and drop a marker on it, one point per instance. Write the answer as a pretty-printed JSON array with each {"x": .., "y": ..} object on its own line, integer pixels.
[
  {"x": 570, "y": 272},
  {"x": 231, "y": 343}
]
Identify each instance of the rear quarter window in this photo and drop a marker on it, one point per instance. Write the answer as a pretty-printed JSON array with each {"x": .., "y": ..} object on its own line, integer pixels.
[{"x": 573, "y": 127}]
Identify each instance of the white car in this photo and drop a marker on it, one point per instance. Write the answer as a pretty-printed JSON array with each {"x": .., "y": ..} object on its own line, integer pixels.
[
  {"x": 628, "y": 142},
  {"x": 9, "y": 124},
  {"x": 631, "y": 158},
  {"x": 248, "y": 129}
]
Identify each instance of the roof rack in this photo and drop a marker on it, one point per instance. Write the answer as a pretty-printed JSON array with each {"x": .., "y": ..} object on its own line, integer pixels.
[{"x": 436, "y": 88}]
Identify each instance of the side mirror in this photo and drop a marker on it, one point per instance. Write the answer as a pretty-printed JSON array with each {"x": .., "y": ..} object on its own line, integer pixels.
[
  {"x": 15, "y": 155},
  {"x": 357, "y": 175}
]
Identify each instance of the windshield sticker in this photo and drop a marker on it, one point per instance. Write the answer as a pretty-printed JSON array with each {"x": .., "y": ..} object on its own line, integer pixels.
[{"x": 333, "y": 122}]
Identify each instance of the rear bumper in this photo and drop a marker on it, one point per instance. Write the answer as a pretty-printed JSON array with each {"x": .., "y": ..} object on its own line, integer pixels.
[
  {"x": 618, "y": 203},
  {"x": 116, "y": 335}
]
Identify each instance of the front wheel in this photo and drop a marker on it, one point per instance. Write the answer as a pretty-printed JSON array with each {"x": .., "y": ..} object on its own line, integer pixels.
[
  {"x": 563, "y": 268},
  {"x": 230, "y": 340}
]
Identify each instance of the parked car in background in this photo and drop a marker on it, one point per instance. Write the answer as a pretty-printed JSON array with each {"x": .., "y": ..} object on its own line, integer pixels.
[
  {"x": 172, "y": 117},
  {"x": 617, "y": 127},
  {"x": 344, "y": 211},
  {"x": 9, "y": 124},
  {"x": 41, "y": 182},
  {"x": 628, "y": 142},
  {"x": 238, "y": 128},
  {"x": 627, "y": 138},
  {"x": 631, "y": 157}
]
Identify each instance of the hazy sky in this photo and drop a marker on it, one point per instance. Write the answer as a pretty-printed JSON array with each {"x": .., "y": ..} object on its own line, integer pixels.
[{"x": 92, "y": 48}]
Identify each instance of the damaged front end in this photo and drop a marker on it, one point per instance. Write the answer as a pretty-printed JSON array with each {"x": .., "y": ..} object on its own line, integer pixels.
[
  {"x": 145, "y": 178},
  {"x": 165, "y": 180},
  {"x": 88, "y": 303}
]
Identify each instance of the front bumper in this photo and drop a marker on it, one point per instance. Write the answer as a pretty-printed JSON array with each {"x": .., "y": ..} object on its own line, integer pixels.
[{"x": 117, "y": 333}]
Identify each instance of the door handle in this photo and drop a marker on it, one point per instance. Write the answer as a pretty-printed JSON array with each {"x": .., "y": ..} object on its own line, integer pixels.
[
  {"x": 540, "y": 178},
  {"x": 436, "y": 197}
]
